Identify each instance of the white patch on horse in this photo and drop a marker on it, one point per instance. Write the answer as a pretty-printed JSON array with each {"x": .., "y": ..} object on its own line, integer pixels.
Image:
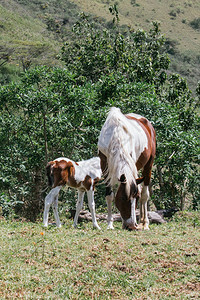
[{"x": 118, "y": 144}]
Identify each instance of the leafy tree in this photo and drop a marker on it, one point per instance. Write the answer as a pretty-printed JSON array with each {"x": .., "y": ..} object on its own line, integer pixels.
[{"x": 94, "y": 52}]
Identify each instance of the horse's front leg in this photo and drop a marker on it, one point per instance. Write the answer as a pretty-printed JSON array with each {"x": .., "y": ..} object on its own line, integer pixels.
[
  {"x": 133, "y": 212},
  {"x": 91, "y": 205},
  {"x": 144, "y": 221},
  {"x": 79, "y": 206},
  {"x": 109, "y": 200}
]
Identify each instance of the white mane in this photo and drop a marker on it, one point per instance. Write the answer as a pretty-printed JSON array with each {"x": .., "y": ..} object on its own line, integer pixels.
[{"x": 117, "y": 142}]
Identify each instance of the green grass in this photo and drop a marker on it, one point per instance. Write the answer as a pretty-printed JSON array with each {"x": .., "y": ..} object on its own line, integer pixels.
[{"x": 38, "y": 263}]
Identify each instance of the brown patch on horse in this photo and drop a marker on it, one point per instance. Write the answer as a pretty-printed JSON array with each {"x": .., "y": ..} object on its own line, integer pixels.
[
  {"x": 87, "y": 182},
  {"x": 96, "y": 180},
  {"x": 146, "y": 158},
  {"x": 103, "y": 162},
  {"x": 67, "y": 172},
  {"x": 122, "y": 202},
  {"x": 54, "y": 173}
]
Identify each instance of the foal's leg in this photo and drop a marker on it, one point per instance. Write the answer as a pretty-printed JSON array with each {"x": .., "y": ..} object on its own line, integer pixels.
[
  {"x": 144, "y": 221},
  {"x": 109, "y": 199},
  {"x": 49, "y": 199},
  {"x": 55, "y": 211},
  {"x": 91, "y": 205},
  {"x": 79, "y": 206}
]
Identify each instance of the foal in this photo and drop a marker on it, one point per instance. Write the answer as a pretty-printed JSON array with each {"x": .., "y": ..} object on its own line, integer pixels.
[{"x": 81, "y": 175}]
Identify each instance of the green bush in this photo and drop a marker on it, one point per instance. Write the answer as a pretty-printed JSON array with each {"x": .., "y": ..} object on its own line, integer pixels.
[
  {"x": 48, "y": 115},
  {"x": 195, "y": 23},
  {"x": 9, "y": 205}
]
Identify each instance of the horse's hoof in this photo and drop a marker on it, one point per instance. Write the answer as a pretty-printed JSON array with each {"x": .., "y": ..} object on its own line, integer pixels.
[
  {"x": 140, "y": 226},
  {"x": 97, "y": 227},
  {"x": 110, "y": 227},
  {"x": 146, "y": 227}
]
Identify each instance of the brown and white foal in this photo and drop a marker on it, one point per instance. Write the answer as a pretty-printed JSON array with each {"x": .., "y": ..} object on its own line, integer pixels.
[{"x": 82, "y": 175}]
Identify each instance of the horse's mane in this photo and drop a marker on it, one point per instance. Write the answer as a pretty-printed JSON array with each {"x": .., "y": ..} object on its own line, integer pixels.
[{"x": 120, "y": 146}]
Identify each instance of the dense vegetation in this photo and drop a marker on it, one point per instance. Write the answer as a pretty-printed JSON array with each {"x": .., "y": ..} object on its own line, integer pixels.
[{"x": 56, "y": 111}]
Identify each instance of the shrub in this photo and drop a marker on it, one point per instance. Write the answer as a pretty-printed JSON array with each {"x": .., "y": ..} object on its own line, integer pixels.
[{"x": 195, "y": 24}]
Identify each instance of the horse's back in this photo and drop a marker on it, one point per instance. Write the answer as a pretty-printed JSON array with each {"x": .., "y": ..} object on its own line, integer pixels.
[
  {"x": 130, "y": 132},
  {"x": 91, "y": 167}
]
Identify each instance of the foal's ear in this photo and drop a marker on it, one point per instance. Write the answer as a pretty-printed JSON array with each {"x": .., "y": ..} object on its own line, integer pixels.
[{"x": 140, "y": 180}]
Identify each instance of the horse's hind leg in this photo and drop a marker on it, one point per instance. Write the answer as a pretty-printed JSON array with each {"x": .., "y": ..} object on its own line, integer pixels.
[
  {"x": 109, "y": 192},
  {"x": 109, "y": 199},
  {"x": 144, "y": 221},
  {"x": 79, "y": 206},
  {"x": 55, "y": 211},
  {"x": 91, "y": 204}
]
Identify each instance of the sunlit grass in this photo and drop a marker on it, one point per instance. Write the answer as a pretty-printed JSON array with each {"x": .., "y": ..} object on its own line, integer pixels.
[{"x": 66, "y": 263}]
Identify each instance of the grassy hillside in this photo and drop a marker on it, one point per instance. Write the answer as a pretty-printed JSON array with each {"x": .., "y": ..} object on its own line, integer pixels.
[
  {"x": 34, "y": 30},
  {"x": 25, "y": 38},
  {"x": 65, "y": 263},
  {"x": 174, "y": 18}
]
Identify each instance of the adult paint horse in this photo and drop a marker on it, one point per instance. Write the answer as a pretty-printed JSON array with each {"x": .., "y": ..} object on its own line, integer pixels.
[
  {"x": 82, "y": 175},
  {"x": 127, "y": 144}
]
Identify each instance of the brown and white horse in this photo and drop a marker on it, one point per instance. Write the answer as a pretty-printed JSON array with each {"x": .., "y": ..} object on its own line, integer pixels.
[
  {"x": 127, "y": 144},
  {"x": 82, "y": 175}
]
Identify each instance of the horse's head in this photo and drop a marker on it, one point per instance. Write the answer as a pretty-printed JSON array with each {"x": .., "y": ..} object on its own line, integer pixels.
[{"x": 125, "y": 201}]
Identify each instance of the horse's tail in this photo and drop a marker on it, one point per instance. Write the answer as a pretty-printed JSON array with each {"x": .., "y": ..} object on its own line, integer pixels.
[{"x": 119, "y": 159}]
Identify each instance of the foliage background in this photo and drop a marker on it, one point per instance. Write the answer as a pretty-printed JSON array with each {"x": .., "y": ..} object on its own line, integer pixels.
[{"x": 54, "y": 111}]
